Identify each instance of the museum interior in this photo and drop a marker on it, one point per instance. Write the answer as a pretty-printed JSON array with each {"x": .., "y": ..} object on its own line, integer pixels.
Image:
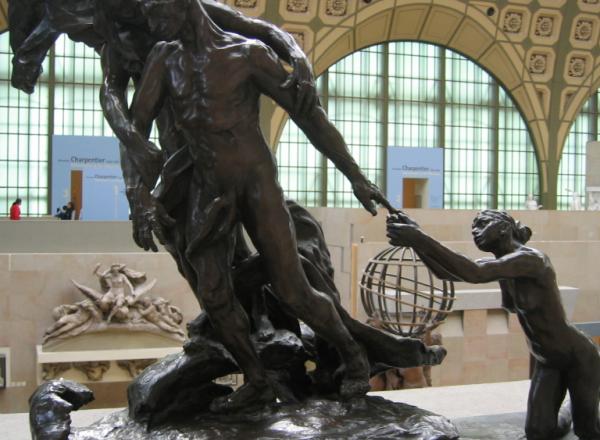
[{"x": 505, "y": 91}]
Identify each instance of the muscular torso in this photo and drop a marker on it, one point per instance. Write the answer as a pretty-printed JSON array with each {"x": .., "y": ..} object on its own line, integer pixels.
[
  {"x": 216, "y": 105},
  {"x": 117, "y": 284}
]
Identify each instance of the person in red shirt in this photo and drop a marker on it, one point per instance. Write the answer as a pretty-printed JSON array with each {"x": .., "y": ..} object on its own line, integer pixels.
[{"x": 15, "y": 210}]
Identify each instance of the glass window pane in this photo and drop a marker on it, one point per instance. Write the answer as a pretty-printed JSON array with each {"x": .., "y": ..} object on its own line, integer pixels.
[
  {"x": 572, "y": 170},
  {"x": 489, "y": 157}
]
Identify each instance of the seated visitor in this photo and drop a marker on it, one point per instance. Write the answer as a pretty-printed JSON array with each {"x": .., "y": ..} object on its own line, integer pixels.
[{"x": 15, "y": 210}]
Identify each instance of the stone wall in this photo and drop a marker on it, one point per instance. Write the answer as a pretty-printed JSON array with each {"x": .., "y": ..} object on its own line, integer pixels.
[{"x": 483, "y": 345}]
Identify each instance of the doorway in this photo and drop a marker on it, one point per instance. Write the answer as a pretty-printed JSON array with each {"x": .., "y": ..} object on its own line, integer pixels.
[{"x": 415, "y": 193}]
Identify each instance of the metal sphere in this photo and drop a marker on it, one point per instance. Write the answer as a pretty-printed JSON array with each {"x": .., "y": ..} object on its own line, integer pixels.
[{"x": 401, "y": 295}]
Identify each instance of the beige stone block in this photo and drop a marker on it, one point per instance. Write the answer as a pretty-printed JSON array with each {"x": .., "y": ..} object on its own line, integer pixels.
[
  {"x": 65, "y": 263},
  {"x": 521, "y": 96},
  {"x": 471, "y": 39},
  {"x": 367, "y": 11},
  {"x": 452, "y": 326},
  {"x": 474, "y": 372},
  {"x": 497, "y": 322},
  {"x": 30, "y": 298},
  {"x": 497, "y": 60},
  {"x": 475, "y": 322},
  {"x": 497, "y": 347},
  {"x": 517, "y": 346},
  {"x": 334, "y": 46},
  {"x": 475, "y": 348},
  {"x": 436, "y": 375},
  {"x": 5, "y": 292},
  {"x": 477, "y": 10},
  {"x": 588, "y": 307},
  {"x": 454, "y": 349},
  {"x": 408, "y": 21},
  {"x": 4, "y": 262},
  {"x": 20, "y": 337},
  {"x": 373, "y": 30},
  {"x": 441, "y": 24},
  {"x": 451, "y": 375},
  {"x": 518, "y": 369},
  {"x": 23, "y": 357},
  {"x": 108, "y": 395},
  {"x": 514, "y": 326},
  {"x": 497, "y": 371},
  {"x": 15, "y": 400}
]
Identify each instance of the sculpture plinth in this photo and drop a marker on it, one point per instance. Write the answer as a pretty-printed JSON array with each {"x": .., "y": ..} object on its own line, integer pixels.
[{"x": 368, "y": 417}]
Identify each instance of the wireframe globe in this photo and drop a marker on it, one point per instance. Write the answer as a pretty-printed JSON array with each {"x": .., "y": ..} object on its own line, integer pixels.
[{"x": 401, "y": 295}]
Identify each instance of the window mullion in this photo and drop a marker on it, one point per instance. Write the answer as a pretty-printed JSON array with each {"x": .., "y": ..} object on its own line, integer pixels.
[
  {"x": 323, "y": 162},
  {"x": 385, "y": 102},
  {"x": 495, "y": 143},
  {"x": 51, "y": 91}
]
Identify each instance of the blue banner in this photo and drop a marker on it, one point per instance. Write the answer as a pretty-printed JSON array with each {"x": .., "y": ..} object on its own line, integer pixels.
[
  {"x": 415, "y": 164},
  {"x": 92, "y": 164}
]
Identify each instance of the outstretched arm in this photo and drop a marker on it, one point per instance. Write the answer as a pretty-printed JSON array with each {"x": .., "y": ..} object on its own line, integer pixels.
[
  {"x": 29, "y": 54},
  {"x": 148, "y": 100},
  {"x": 515, "y": 265},
  {"x": 141, "y": 159},
  {"x": 267, "y": 74},
  {"x": 281, "y": 42}
]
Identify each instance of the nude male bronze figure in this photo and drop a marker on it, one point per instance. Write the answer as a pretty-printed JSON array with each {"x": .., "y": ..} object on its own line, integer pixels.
[
  {"x": 565, "y": 359},
  {"x": 213, "y": 79}
]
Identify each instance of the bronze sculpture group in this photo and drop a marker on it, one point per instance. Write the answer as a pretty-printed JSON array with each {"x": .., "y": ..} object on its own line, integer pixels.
[{"x": 199, "y": 69}]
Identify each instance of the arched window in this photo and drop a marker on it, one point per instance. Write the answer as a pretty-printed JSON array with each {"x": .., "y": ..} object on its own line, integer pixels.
[
  {"x": 572, "y": 170},
  {"x": 411, "y": 94}
]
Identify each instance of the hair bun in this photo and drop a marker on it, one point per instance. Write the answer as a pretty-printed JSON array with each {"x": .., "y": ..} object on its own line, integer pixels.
[{"x": 523, "y": 232}]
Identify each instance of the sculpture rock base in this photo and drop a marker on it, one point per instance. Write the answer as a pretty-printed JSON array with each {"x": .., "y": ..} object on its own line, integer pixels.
[{"x": 369, "y": 417}]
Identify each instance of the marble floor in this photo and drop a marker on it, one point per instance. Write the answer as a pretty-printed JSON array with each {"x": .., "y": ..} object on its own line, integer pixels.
[{"x": 493, "y": 411}]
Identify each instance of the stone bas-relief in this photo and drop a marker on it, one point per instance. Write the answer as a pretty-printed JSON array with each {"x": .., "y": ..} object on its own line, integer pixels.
[
  {"x": 94, "y": 371},
  {"x": 136, "y": 366},
  {"x": 538, "y": 63},
  {"x": 122, "y": 303},
  {"x": 513, "y": 21},
  {"x": 564, "y": 358},
  {"x": 54, "y": 370},
  {"x": 577, "y": 67}
]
